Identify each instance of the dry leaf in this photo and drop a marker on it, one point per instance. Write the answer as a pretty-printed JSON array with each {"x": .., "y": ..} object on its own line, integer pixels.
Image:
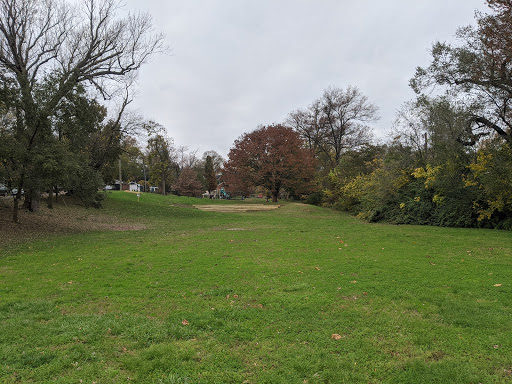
[
  {"x": 317, "y": 268},
  {"x": 497, "y": 285},
  {"x": 336, "y": 336},
  {"x": 185, "y": 322},
  {"x": 353, "y": 281},
  {"x": 235, "y": 296}
]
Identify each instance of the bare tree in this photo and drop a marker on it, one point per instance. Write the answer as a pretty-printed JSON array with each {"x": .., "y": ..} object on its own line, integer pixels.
[
  {"x": 309, "y": 125},
  {"x": 336, "y": 122},
  {"x": 66, "y": 44},
  {"x": 217, "y": 160},
  {"x": 345, "y": 118}
]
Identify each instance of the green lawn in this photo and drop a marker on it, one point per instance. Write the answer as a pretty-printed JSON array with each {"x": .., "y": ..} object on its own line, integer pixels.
[{"x": 300, "y": 294}]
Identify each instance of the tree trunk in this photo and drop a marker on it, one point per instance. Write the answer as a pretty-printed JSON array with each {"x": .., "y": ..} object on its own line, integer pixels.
[
  {"x": 163, "y": 183},
  {"x": 274, "y": 196},
  {"x": 32, "y": 201},
  {"x": 50, "y": 198},
  {"x": 56, "y": 191},
  {"x": 35, "y": 204},
  {"x": 15, "y": 210},
  {"x": 17, "y": 198}
]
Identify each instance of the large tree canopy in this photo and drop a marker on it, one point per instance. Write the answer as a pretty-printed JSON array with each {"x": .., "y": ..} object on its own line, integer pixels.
[
  {"x": 273, "y": 157},
  {"x": 478, "y": 71},
  {"x": 47, "y": 48}
]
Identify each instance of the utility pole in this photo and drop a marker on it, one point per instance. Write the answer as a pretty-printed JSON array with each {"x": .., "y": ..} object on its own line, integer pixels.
[{"x": 144, "y": 170}]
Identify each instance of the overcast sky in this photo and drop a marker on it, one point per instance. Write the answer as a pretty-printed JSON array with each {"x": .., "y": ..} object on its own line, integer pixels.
[{"x": 236, "y": 64}]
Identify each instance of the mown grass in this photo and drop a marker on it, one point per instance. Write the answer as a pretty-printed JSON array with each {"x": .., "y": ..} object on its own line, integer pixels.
[{"x": 256, "y": 297}]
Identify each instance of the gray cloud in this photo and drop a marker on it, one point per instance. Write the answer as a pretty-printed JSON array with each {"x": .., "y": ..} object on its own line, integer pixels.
[{"x": 237, "y": 64}]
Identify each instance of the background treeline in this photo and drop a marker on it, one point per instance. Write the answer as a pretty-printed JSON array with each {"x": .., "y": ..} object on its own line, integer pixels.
[
  {"x": 67, "y": 71},
  {"x": 425, "y": 174},
  {"x": 448, "y": 161},
  {"x": 57, "y": 59}
]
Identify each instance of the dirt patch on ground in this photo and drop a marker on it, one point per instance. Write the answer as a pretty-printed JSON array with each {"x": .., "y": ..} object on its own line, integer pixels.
[
  {"x": 236, "y": 208},
  {"x": 65, "y": 218}
]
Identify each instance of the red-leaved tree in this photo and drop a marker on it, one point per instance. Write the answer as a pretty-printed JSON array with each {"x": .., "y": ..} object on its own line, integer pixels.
[{"x": 273, "y": 157}]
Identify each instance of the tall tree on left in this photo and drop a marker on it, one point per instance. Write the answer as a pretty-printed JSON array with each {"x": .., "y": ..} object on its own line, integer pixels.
[{"x": 70, "y": 43}]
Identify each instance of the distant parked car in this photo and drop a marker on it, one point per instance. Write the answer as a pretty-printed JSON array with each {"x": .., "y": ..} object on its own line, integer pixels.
[{"x": 15, "y": 191}]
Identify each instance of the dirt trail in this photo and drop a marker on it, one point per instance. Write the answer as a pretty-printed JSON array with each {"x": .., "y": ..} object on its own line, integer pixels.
[{"x": 236, "y": 208}]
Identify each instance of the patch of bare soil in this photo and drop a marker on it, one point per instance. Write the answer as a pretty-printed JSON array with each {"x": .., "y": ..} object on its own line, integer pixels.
[
  {"x": 236, "y": 208},
  {"x": 65, "y": 218}
]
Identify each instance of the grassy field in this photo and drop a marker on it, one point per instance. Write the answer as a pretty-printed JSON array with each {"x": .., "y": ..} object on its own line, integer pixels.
[{"x": 166, "y": 293}]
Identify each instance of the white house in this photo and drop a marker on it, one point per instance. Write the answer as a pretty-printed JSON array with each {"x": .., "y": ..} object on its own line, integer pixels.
[{"x": 134, "y": 187}]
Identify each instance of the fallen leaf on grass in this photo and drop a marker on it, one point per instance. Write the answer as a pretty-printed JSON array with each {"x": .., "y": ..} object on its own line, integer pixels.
[
  {"x": 497, "y": 285},
  {"x": 365, "y": 293},
  {"x": 185, "y": 322},
  {"x": 317, "y": 268},
  {"x": 336, "y": 336},
  {"x": 353, "y": 281},
  {"x": 235, "y": 296}
]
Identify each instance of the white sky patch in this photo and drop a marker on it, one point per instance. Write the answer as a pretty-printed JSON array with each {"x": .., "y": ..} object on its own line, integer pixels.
[{"x": 237, "y": 64}]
